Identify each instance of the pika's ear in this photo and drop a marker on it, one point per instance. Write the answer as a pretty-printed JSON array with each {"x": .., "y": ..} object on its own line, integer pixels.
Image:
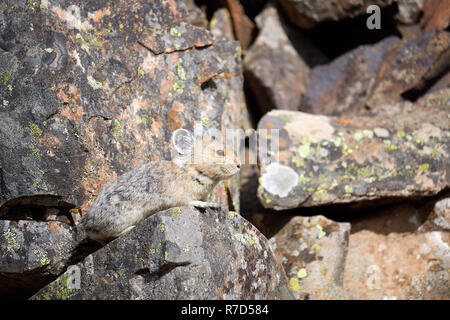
[{"x": 182, "y": 141}]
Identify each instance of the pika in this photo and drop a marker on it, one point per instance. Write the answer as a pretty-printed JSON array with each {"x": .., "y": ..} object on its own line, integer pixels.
[{"x": 196, "y": 167}]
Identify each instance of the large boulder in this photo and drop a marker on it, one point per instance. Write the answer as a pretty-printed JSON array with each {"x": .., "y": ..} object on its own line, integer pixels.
[
  {"x": 180, "y": 253},
  {"x": 372, "y": 75},
  {"x": 89, "y": 91},
  {"x": 313, "y": 251},
  {"x": 402, "y": 152}
]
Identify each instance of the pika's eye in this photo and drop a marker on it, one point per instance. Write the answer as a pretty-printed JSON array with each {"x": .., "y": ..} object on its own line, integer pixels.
[{"x": 220, "y": 153}]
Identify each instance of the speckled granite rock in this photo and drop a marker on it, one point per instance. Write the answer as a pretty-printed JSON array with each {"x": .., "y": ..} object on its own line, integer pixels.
[
  {"x": 180, "y": 253},
  {"x": 398, "y": 266},
  {"x": 91, "y": 90},
  {"x": 312, "y": 251},
  {"x": 278, "y": 85},
  {"x": 403, "y": 152}
]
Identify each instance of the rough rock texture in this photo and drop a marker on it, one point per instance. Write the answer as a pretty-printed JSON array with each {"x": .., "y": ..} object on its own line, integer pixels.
[
  {"x": 409, "y": 11},
  {"x": 196, "y": 16},
  {"x": 242, "y": 25},
  {"x": 32, "y": 253},
  {"x": 279, "y": 85},
  {"x": 312, "y": 251},
  {"x": 409, "y": 65},
  {"x": 342, "y": 86},
  {"x": 307, "y": 14},
  {"x": 180, "y": 253},
  {"x": 403, "y": 152},
  {"x": 436, "y": 14},
  {"x": 439, "y": 218},
  {"x": 90, "y": 90},
  {"x": 372, "y": 75},
  {"x": 398, "y": 266},
  {"x": 221, "y": 25}
]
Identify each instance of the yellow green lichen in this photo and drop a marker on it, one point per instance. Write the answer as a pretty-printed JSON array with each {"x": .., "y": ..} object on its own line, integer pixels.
[
  {"x": 121, "y": 26},
  {"x": 294, "y": 284},
  {"x": 401, "y": 133},
  {"x": 231, "y": 214},
  {"x": 174, "y": 32},
  {"x": 302, "y": 273},
  {"x": 11, "y": 242},
  {"x": 179, "y": 86},
  {"x": 181, "y": 73},
  {"x": 116, "y": 128},
  {"x": 121, "y": 272},
  {"x": 5, "y": 76},
  {"x": 162, "y": 227},
  {"x": 424, "y": 167},
  {"x": 304, "y": 150},
  {"x": 175, "y": 212},
  {"x": 297, "y": 161},
  {"x": 36, "y": 151},
  {"x": 321, "y": 232},
  {"x": 141, "y": 72},
  {"x": 315, "y": 247},
  {"x": 348, "y": 189},
  {"x": 62, "y": 291},
  {"x": 35, "y": 130},
  {"x": 206, "y": 123}
]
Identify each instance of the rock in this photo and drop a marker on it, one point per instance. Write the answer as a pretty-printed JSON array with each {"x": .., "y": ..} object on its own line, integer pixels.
[
  {"x": 342, "y": 86},
  {"x": 180, "y": 253},
  {"x": 32, "y": 254},
  {"x": 279, "y": 85},
  {"x": 442, "y": 83},
  {"x": 306, "y": 14},
  {"x": 242, "y": 25},
  {"x": 313, "y": 251},
  {"x": 398, "y": 266},
  {"x": 409, "y": 11},
  {"x": 196, "y": 16},
  {"x": 373, "y": 75},
  {"x": 402, "y": 152},
  {"x": 439, "y": 218},
  {"x": 436, "y": 14},
  {"x": 88, "y": 92},
  {"x": 409, "y": 65},
  {"x": 221, "y": 25}
]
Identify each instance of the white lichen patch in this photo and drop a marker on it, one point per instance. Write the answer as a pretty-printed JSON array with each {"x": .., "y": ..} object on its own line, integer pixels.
[{"x": 279, "y": 179}]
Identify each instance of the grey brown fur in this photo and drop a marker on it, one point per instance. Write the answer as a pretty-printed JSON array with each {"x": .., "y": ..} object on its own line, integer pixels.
[{"x": 156, "y": 186}]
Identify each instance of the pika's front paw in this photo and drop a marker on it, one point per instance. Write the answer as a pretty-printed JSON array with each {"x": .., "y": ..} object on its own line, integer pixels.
[{"x": 204, "y": 205}]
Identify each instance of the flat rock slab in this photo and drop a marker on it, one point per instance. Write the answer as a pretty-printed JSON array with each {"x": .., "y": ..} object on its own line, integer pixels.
[
  {"x": 180, "y": 253},
  {"x": 401, "y": 266},
  {"x": 373, "y": 75},
  {"x": 90, "y": 91},
  {"x": 313, "y": 251},
  {"x": 307, "y": 14},
  {"x": 32, "y": 254},
  {"x": 403, "y": 152}
]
